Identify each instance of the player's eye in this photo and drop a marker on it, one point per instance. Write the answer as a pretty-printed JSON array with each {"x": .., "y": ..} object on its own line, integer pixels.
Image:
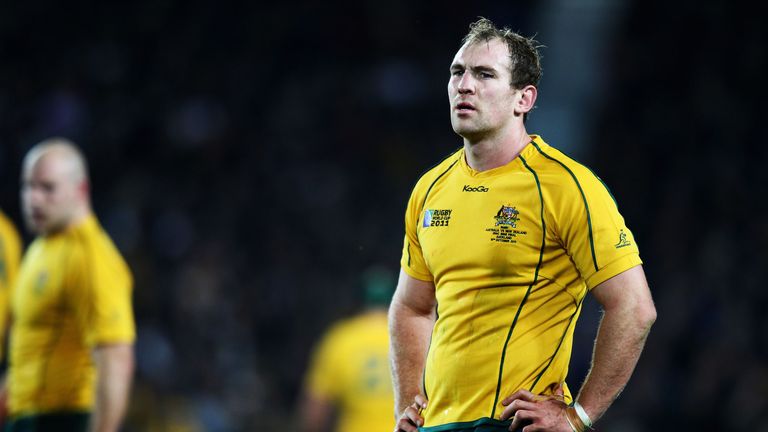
[{"x": 47, "y": 187}]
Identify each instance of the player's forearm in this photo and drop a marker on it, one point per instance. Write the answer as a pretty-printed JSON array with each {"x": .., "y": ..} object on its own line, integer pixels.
[
  {"x": 114, "y": 366},
  {"x": 409, "y": 341},
  {"x": 315, "y": 413},
  {"x": 620, "y": 340}
]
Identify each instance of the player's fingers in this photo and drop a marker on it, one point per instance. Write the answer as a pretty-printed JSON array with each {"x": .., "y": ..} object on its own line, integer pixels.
[
  {"x": 516, "y": 405},
  {"x": 412, "y": 413},
  {"x": 404, "y": 424},
  {"x": 409, "y": 420},
  {"x": 560, "y": 390},
  {"x": 421, "y": 401},
  {"x": 520, "y": 394},
  {"x": 521, "y": 416}
]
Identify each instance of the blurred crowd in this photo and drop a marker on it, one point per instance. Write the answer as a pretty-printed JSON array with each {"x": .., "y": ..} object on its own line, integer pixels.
[
  {"x": 252, "y": 160},
  {"x": 679, "y": 140}
]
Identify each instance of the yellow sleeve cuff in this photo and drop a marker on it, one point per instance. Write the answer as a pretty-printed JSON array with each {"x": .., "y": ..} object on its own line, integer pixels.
[
  {"x": 617, "y": 266},
  {"x": 417, "y": 275}
]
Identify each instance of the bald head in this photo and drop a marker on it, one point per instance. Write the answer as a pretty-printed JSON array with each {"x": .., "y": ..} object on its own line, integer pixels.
[
  {"x": 67, "y": 155},
  {"x": 54, "y": 191}
]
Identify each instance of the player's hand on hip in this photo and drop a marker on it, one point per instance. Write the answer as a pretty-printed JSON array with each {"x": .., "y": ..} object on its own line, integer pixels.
[
  {"x": 410, "y": 420},
  {"x": 536, "y": 413}
]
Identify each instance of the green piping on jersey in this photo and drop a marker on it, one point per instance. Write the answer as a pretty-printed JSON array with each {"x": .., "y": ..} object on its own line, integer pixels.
[
  {"x": 408, "y": 250},
  {"x": 583, "y": 197},
  {"x": 424, "y": 372},
  {"x": 485, "y": 421},
  {"x": 527, "y": 293},
  {"x": 607, "y": 189},
  {"x": 429, "y": 346},
  {"x": 430, "y": 189},
  {"x": 570, "y": 321}
]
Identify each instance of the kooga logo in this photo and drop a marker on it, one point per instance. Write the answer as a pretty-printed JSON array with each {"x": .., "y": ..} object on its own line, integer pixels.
[{"x": 468, "y": 188}]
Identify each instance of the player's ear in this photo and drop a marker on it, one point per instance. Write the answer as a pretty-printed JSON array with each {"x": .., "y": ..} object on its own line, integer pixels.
[
  {"x": 525, "y": 99},
  {"x": 84, "y": 188}
]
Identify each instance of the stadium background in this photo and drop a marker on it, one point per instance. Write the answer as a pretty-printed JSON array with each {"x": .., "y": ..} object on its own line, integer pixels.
[{"x": 251, "y": 160}]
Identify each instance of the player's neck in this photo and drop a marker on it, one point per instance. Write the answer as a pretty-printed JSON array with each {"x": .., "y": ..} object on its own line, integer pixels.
[
  {"x": 79, "y": 216},
  {"x": 492, "y": 152}
]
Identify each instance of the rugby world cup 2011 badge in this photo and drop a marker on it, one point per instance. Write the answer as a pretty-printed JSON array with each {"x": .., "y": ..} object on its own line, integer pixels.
[
  {"x": 437, "y": 218},
  {"x": 505, "y": 228}
]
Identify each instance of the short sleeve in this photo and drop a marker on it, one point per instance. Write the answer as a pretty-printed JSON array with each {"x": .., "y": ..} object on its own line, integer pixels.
[
  {"x": 412, "y": 260},
  {"x": 592, "y": 230},
  {"x": 100, "y": 295},
  {"x": 323, "y": 377}
]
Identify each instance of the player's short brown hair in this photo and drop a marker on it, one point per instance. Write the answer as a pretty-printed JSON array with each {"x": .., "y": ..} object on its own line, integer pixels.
[{"x": 524, "y": 57}]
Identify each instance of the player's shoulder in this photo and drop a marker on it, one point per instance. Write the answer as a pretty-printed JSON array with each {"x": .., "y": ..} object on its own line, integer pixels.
[
  {"x": 4, "y": 220},
  {"x": 96, "y": 246},
  {"x": 354, "y": 326},
  {"x": 7, "y": 227},
  {"x": 338, "y": 334},
  {"x": 10, "y": 239},
  {"x": 345, "y": 326},
  {"x": 89, "y": 234},
  {"x": 565, "y": 180},
  {"x": 437, "y": 171},
  {"x": 557, "y": 169}
]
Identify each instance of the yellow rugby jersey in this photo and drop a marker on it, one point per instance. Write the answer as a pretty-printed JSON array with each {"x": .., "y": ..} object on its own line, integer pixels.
[
  {"x": 73, "y": 292},
  {"x": 512, "y": 252},
  {"x": 10, "y": 255},
  {"x": 350, "y": 367}
]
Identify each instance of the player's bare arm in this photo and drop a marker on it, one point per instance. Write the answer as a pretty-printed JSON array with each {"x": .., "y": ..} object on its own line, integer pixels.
[
  {"x": 411, "y": 318},
  {"x": 114, "y": 372},
  {"x": 316, "y": 412},
  {"x": 628, "y": 315}
]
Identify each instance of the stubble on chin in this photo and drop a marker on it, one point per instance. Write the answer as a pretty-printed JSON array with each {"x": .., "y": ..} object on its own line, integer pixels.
[{"x": 470, "y": 132}]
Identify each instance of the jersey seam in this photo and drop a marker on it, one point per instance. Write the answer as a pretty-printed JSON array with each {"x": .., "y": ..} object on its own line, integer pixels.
[
  {"x": 426, "y": 195},
  {"x": 408, "y": 251},
  {"x": 584, "y": 199},
  {"x": 553, "y": 280},
  {"x": 527, "y": 293},
  {"x": 559, "y": 344}
]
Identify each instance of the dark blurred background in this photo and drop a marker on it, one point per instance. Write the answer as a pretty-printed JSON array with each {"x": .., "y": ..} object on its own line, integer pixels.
[{"x": 252, "y": 160}]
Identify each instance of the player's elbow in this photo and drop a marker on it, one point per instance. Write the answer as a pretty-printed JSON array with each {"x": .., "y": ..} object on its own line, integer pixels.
[
  {"x": 645, "y": 314},
  {"x": 402, "y": 307},
  {"x": 115, "y": 360}
]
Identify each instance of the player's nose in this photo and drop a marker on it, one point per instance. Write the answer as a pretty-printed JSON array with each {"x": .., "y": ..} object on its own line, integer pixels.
[{"x": 466, "y": 84}]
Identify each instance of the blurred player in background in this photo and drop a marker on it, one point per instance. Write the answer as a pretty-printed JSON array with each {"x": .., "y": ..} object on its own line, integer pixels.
[
  {"x": 504, "y": 239},
  {"x": 71, "y": 345},
  {"x": 10, "y": 254},
  {"x": 349, "y": 373}
]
